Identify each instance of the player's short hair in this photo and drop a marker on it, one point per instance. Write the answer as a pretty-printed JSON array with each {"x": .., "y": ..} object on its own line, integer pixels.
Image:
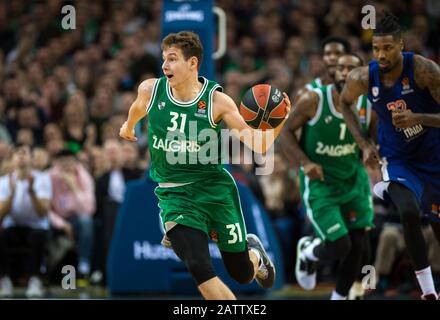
[
  {"x": 388, "y": 25},
  {"x": 189, "y": 42},
  {"x": 340, "y": 40}
]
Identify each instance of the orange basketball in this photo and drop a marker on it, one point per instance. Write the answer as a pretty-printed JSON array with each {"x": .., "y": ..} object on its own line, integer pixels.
[{"x": 263, "y": 107}]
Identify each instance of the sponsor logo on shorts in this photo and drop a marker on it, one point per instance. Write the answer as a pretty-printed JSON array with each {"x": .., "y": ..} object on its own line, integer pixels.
[
  {"x": 213, "y": 235},
  {"x": 333, "y": 228},
  {"x": 352, "y": 216}
]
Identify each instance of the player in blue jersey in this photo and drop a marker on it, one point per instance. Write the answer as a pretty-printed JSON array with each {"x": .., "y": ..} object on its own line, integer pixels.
[{"x": 404, "y": 89}]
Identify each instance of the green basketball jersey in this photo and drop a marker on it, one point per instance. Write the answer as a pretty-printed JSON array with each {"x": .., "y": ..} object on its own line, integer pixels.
[
  {"x": 327, "y": 141},
  {"x": 314, "y": 84},
  {"x": 363, "y": 105},
  {"x": 184, "y": 141}
]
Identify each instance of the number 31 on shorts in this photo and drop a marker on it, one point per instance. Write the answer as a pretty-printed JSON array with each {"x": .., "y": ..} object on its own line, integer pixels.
[{"x": 234, "y": 229}]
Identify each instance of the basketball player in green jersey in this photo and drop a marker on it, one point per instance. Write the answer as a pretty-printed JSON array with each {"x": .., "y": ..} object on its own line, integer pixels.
[
  {"x": 332, "y": 48},
  {"x": 198, "y": 197},
  {"x": 334, "y": 184}
]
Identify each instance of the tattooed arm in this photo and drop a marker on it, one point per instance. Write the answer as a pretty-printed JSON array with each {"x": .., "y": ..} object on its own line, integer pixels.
[
  {"x": 427, "y": 75},
  {"x": 356, "y": 85}
]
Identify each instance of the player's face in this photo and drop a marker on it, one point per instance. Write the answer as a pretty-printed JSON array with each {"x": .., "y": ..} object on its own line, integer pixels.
[
  {"x": 387, "y": 52},
  {"x": 175, "y": 67},
  {"x": 332, "y": 51},
  {"x": 344, "y": 65}
]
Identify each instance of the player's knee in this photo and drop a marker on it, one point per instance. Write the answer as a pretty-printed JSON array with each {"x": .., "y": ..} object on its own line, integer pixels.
[
  {"x": 242, "y": 276},
  {"x": 340, "y": 247},
  {"x": 201, "y": 270},
  {"x": 405, "y": 202},
  {"x": 410, "y": 216},
  {"x": 239, "y": 266}
]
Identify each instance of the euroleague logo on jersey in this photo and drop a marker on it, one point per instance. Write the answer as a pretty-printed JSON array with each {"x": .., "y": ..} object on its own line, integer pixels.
[
  {"x": 202, "y": 104},
  {"x": 406, "y": 88},
  {"x": 362, "y": 113},
  {"x": 201, "y": 109}
]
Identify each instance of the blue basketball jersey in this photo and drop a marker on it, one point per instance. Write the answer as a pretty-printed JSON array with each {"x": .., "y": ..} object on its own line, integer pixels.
[
  {"x": 417, "y": 143},
  {"x": 411, "y": 156}
]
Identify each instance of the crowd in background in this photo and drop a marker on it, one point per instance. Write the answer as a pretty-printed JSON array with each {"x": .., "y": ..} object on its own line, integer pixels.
[{"x": 65, "y": 93}]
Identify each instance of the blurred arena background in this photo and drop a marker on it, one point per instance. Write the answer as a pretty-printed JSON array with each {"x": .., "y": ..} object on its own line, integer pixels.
[{"x": 70, "y": 90}]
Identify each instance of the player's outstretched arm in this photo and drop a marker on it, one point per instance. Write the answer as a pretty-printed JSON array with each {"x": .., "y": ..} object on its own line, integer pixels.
[
  {"x": 138, "y": 109},
  {"x": 224, "y": 108},
  {"x": 356, "y": 85}
]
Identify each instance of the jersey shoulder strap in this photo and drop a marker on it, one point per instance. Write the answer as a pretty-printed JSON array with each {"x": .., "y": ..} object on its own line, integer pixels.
[
  {"x": 157, "y": 83},
  {"x": 321, "y": 92}
]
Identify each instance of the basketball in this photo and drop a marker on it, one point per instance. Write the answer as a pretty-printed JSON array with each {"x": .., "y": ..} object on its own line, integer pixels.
[{"x": 263, "y": 107}]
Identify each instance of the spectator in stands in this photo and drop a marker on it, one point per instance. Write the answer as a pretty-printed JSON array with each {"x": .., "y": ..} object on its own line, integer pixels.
[
  {"x": 73, "y": 206},
  {"x": 4, "y": 132},
  {"x": 77, "y": 132},
  {"x": 40, "y": 159},
  {"x": 131, "y": 160},
  {"x": 25, "y": 196},
  {"x": 110, "y": 192},
  {"x": 281, "y": 199}
]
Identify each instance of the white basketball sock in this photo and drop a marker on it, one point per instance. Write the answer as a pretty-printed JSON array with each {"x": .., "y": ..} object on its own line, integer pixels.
[
  {"x": 337, "y": 296},
  {"x": 424, "y": 277}
]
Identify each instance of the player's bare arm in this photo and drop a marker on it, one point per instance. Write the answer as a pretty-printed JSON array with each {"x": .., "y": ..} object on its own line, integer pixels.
[
  {"x": 288, "y": 150},
  {"x": 224, "y": 108},
  {"x": 305, "y": 109},
  {"x": 372, "y": 128},
  {"x": 356, "y": 85},
  {"x": 426, "y": 75},
  {"x": 138, "y": 109}
]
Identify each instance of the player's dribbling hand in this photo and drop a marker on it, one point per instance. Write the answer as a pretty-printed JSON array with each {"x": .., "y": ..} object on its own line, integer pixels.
[
  {"x": 370, "y": 155},
  {"x": 313, "y": 171},
  {"x": 126, "y": 133}
]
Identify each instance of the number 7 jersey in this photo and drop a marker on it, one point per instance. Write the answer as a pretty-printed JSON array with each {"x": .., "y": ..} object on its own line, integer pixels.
[
  {"x": 183, "y": 139},
  {"x": 327, "y": 141}
]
